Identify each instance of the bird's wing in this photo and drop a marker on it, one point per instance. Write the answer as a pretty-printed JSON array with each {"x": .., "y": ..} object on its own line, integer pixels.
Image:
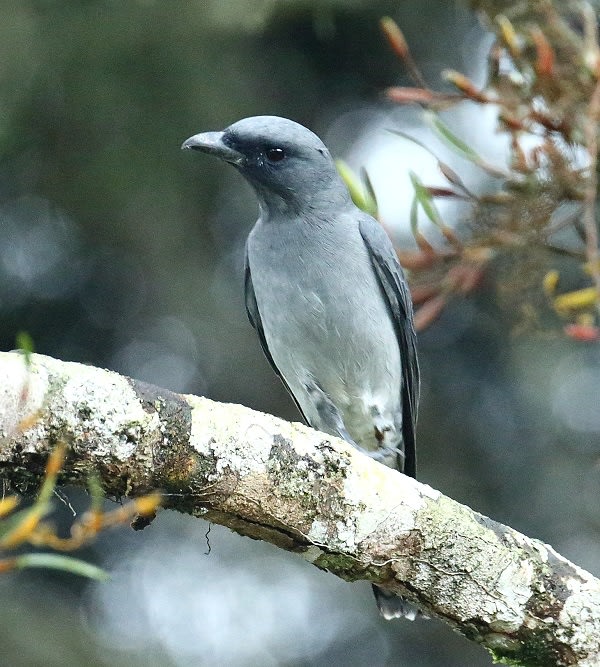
[
  {"x": 256, "y": 322},
  {"x": 392, "y": 280}
]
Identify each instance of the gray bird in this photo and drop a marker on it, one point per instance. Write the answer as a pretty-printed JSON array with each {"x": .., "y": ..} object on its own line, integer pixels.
[{"x": 327, "y": 296}]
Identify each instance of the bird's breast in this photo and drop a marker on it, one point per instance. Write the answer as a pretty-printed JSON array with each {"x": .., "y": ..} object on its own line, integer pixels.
[
  {"x": 323, "y": 291},
  {"x": 325, "y": 318}
]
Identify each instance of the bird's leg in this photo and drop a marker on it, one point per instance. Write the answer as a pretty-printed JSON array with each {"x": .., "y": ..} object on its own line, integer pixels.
[{"x": 384, "y": 430}]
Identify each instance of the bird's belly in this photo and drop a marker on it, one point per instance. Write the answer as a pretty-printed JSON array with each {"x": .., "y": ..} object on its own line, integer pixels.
[{"x": 344, "y": 343}]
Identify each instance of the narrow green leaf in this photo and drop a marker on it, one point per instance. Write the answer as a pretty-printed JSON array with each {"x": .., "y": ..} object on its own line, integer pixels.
[
  {"x": 352, "y": 183},
  {"x": 425, "y": 200},
  {"x": 63, "y": 563},
  {"x": 413, "y": 140},
  {"x": 370, "y": 196},
  {"x": 46, "y": 491},
  {"x": 361, "y": 191},
  {"x": 461, "y": 147},
  {"x": 446, "y": 134},
  {"x": 24, "y": 342},
  {"x": 96, "y": 493},
  {"x": 414, "y": 216},
  {"x": 449, "y": 173}
]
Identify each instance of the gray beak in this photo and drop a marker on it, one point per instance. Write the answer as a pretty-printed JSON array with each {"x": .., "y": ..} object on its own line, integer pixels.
[{"x": 212, "y": 142}]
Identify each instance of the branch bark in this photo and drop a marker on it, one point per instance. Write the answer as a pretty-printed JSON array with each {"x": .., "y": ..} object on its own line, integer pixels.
[{"x": 306, "y": 492}]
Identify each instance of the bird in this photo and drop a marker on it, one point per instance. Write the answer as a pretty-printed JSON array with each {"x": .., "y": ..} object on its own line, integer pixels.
[{"x": 327, "y": 296}]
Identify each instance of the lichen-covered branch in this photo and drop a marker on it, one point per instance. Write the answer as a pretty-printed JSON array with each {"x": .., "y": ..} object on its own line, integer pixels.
[{"x": 305, "y": 492}]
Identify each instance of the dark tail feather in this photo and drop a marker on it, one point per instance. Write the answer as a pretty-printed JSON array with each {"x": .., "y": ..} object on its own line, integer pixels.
[{"x": 393, "y": 606}]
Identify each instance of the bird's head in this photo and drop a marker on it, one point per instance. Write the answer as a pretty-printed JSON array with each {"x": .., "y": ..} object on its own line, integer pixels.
[{"x": 287, "y": 164}]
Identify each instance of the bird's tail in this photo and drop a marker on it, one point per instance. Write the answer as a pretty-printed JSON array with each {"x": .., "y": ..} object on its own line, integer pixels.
[{"x": 392, "y": 606}]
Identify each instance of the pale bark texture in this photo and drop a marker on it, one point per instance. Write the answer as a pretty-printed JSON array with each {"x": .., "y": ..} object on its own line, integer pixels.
[{"x": 305, "y": 492}]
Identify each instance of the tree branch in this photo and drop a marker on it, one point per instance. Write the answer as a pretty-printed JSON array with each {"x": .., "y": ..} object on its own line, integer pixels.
[{"x": 305, "y": 492}]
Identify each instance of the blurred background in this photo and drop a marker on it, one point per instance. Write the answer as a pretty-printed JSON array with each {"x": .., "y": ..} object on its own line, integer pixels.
[{"x": 119, "y": 250}]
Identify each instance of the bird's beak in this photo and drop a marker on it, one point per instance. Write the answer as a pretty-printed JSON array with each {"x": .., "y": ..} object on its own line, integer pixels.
[{"x": 212, "y": 142}]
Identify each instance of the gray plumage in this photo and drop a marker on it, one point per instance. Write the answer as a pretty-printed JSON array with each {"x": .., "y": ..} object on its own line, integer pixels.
[{"x": 327, "y": 296}]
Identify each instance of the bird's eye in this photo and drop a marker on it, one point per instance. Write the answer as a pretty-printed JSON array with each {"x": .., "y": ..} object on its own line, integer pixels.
[{"x": 275, "y": 154}]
